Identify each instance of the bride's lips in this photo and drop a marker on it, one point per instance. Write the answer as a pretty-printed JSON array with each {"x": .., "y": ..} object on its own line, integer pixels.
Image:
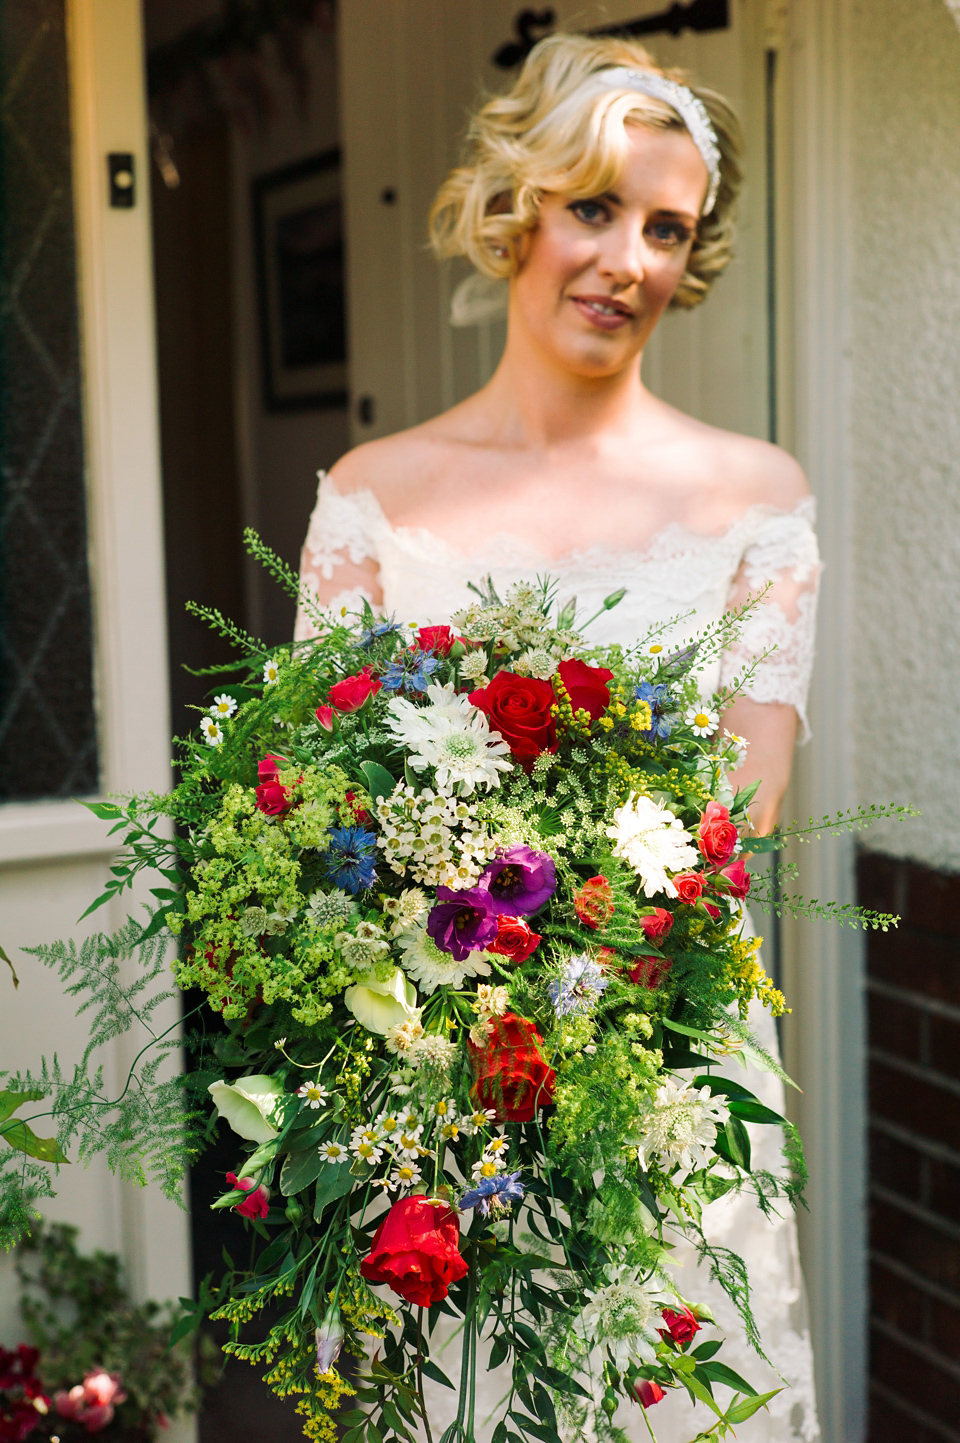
[{"x": 603, "y": 312}]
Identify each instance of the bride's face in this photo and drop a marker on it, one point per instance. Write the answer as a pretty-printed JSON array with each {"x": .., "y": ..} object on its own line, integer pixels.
[{"x": 597, "y": 273}]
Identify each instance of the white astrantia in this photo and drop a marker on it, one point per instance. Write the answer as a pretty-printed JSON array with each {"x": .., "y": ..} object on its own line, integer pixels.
[
  {"x": 452, "y": 736},
  {"x": 654, "y": 841},
  {"x": 625, "y": 1316},
  {"x": 474, "y": 666},
  {"x": 430, "y": 967},
  {"x": 680, "y": 1128},
  {"x": 432, "y": 1050}
]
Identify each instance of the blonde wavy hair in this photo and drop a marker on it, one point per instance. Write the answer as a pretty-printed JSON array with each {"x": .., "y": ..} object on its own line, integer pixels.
[{"x": 530, "y": 141}]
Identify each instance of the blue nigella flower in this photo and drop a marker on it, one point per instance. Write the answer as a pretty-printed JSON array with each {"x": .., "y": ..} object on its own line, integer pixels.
[
  {"x": 349, "y": 858},
  {"x": 657, "y": 694},
  {"x": 382, "y": 628},
  {"x": 578, "y": 986},
  {"x": 411, "y": 673},
  {"x": 493, "y": 1192}
]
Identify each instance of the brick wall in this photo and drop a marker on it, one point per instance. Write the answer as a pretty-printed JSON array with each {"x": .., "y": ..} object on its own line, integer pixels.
[{"x": 914, "y": 1104}]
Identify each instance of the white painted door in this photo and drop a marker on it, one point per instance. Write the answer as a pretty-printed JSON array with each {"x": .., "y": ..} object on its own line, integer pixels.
[{"x": 54, "y": 854}]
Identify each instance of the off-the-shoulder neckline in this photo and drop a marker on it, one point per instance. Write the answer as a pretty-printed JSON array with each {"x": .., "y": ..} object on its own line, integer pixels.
[{"x": 668, "y": 541}]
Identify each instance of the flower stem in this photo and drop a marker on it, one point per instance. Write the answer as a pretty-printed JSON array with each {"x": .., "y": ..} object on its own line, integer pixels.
[{"x": 423, "y": 1401}]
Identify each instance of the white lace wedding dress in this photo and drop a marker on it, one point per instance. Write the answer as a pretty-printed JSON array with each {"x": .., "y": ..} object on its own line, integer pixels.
[{"x": 681, "y": 571}]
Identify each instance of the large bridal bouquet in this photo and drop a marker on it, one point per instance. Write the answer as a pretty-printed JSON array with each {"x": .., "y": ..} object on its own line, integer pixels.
[{"x": 468, "y": 901}]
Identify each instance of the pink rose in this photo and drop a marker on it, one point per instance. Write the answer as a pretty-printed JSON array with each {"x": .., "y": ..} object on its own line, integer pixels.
[
  {"x": 325, "y": 717},
  {"x": 353, "y": 692},
  {"x": 717, "y": 837},
  {"x": 656, "y": 924},
  {"x": 92, "y": 1402},
  {"x": 257, "y": 1204},
  {"x": 689, "y": 886},
  {"x": 714, "y": 911},
  {"x": 736, "y": 881}
]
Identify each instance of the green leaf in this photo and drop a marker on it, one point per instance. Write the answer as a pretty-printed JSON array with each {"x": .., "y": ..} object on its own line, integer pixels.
[
  {"x": 720, "y": 1373},
  {"x": 692, "y": 1382},
  {"x": 707, "y": 1350},
  {"x": 5, "y": 958},
  {"x": 299, "y": 1170},
  {"x": 755, "y": 1112},
  {"x": 24, "y": 1139},
  {"x": 189, "y": 1323},
  {"x": 740, "y": 1412},
  {"x": 10, "y": 1101},
  {"x": 106, "y": 811},
  {"x": 733, "y": 1143},
  {"x": 430, "y": 1370},
  {"x": 499, "y": 1351},
  {"x": 335, "y": 1181},
  {"x": 379, "y": 781}
]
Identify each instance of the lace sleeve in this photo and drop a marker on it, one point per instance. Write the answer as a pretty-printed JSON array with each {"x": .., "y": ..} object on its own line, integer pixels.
[
  {"x": 340, "y": 547},
  {"x": 784, "y": 556}
]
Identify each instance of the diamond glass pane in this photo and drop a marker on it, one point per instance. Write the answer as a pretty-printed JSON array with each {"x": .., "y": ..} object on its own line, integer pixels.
[{"x": 48, "y": 743}]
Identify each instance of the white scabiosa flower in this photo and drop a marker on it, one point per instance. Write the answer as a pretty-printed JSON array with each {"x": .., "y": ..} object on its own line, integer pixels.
[
  {"x": 211, "y": 731},
  {"x": 625, "y": 1316},
  {"x": 680, "y": 1128},
  {"x": 703, "y": 721},
  {"x": 223, "y": 706},
  {"x": 648, "y": 836},
  {"x": 431, "y": 968},
  {"x": 452, "y": 736}
]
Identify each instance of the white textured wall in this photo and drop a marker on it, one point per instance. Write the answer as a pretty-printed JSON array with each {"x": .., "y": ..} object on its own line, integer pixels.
[{"x": 905, "y": 411}]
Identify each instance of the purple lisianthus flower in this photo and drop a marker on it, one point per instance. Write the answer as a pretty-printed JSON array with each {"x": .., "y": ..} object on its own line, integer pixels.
[
  {"x": 463, "y": 922},
  {"x": 493, "y": 1193},
  {"x": 520, "y": 881}
]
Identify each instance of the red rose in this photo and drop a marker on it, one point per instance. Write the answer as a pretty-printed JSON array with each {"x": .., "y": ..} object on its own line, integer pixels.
[
  {"x": 519, "y": 708},
  {"x": 586, "y": 686},
  {"x": 351, "y": 693},
  {"x": 514, "y": 939},
  {"x": 657, "y": 924},
  {"x": 689, "y": 886},
  {"x": 416, "y": 1251},
  {"x": 438, "y": 639},
  {"x": 272, "y": 797},
  {"x": 268, "y": 769},
  {"x": 510, "y": 1075},
  {"x": 593, "y": 902},
  {"x": 717, "y": 836},
  {"x": 256, "y": 1204},
  {"x": 651, "y": 972},
  {"x": 736, "y": 879},
  {"x": 648, "y": 1392},
  {"x": 682, "y": 1325}
]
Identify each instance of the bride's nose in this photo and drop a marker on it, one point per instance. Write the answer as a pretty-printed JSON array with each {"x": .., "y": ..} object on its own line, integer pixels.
[{"x": 624, "y": 254}]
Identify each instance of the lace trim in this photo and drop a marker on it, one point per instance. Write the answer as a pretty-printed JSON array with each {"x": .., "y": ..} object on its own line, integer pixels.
[
  {"x": 784, "y": 676},
  {"x": 350, "y": 600},
  {"x": 342, "y": 524}
]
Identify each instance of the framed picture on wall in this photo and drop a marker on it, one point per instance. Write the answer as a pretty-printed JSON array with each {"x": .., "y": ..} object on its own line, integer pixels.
[{"x": 298, "y": 223}]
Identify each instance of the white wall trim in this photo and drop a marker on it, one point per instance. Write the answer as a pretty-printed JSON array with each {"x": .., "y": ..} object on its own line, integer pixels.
[
  {"x": 825, "y": 1044},
  {"x": 51, "y": 831}
]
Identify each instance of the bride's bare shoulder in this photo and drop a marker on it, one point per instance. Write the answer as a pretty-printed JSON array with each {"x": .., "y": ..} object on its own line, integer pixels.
[
  {"x": 746, "y": 470},
  {"x": 390, "y": 466}
]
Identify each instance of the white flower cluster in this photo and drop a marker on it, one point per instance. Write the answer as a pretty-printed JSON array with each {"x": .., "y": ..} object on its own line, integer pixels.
[
  {"x": 517, "y": 624},
  {"x": 435, "y": 838},
  {"x": 490, "y": 1002},
  {"x": 680, "y": 1128},
  {"x": 403, "y": 1138},
  {"x": 453, "y": 737}
]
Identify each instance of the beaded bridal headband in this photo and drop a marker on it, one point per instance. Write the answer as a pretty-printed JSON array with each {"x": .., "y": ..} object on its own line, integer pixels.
[
  {"x": 690, "y": 110},
  {"x": 479, "y": 298}
]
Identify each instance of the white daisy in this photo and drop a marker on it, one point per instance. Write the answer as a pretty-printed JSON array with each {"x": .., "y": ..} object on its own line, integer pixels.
[
  {"x": 452, "y": 736},
  {"x": 703, "y": 720},
  {"x": 430, "y": 968},
  {"x": 739, "y": 747},
  {"x": 487, "y": 1167},
  {"x": 271, "y": 671},
  {"x": 313, "y": 1094},
  {"x": 474, "y": 1122},
  {"x": 211, "y": 731},
  {"x": 409, "y": 1142},
  {"x": 365, "y": 1132},
  {"x": 406, "y": 1175},
  {"x": 388, "y": 1123},
  {"x": 334, "y": 1152},
  {"x": 408, "y": 1121},
  {"x": 223, "y": 706},
  {"x": 450, "y": 1131},
  {"x": 445, "y": 1108},
  {"x": 496, "y": 1147},
  {"x": 367, "y": 1152},
  {"x": 648, "y": 836},
  {"x": 680, "y": 1128}
]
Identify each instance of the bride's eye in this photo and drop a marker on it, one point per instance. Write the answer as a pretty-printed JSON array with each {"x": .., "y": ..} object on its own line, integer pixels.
[
  {"x": 591, "y": 212},
  {"x": 669, "y": 233}
]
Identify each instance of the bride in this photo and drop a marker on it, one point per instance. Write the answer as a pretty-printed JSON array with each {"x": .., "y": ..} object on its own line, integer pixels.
[{"x": 600, "y": 191}]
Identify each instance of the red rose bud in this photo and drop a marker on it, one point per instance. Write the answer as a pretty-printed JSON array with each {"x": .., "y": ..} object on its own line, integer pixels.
[
  {"x": 256, "y": 1204},
  {"x": 510, "y": 1075},
  {"x": 273, "y": 799},
  {"x": 438, "y": 639},
  {"x": 656, "y": 924},
  {"x": 520, "y": 709},
  {"x": 586, "y": 686},
  {"x": 325, "y": 717},
  {"x": 593, "y": 902},
  {"x": 736, "y": 879},
  {"x": 689, "y": 886},
  {"x": 717, "y": 836},
  {"x": 416, "y": 1251},
  {"x": 651, "y": 972},
  {"x": 353, "y": 692},
  {"x": 267, "y": 770},
  {"x": 648, "y": 1392},
  {"x": 514, "y": 939},
  {"x": 715, "y": 912},
  {"x": 682, "y": 1325}
]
